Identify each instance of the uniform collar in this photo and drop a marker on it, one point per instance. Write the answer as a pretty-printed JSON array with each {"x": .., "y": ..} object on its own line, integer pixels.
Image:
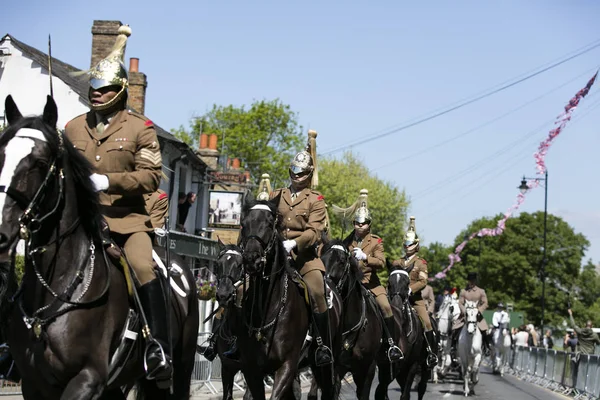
[{"x": 116, "y": 123}]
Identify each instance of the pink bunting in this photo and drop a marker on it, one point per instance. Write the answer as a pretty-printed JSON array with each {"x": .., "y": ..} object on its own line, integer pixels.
[{"x": 539, "y": 157}]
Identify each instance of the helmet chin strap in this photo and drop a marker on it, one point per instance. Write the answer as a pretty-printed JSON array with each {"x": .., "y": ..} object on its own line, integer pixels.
[{"x": 111, "y": 102}]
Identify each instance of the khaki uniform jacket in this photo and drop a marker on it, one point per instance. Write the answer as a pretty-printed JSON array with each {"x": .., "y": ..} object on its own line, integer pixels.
[
  {"x": 474, "y": 294},
  {"x": 157, "y": 206},
  {"x": 303, "y": 220},
  {"x": 372, "y": 246},
  {"x": 418, "y": 275},
  {"x": 429, "y": 297},
  {"x": 128, "y": 153}
]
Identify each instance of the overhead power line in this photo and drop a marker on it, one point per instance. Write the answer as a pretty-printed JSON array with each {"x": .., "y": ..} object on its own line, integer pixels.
[
  {"x": 478, "y": 127},
  {"x": 464, "y": 103}
]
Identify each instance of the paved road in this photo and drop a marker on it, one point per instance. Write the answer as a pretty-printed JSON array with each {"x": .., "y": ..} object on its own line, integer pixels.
[{"x": 490, "y": 387}]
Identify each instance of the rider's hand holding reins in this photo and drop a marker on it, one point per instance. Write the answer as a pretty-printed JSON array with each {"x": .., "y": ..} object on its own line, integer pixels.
[
  {"x": 359, "y": 254},
  {"x": 289, "y": 245},
  {"x": 100, "y": 182}
]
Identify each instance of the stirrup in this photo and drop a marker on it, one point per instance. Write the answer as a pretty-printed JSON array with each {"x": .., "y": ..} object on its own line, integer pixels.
[
  {"x": 399, "y": 355},
  {"x": 325, "y": 353},
  {"x": 432, "y": 359},
  {"x": 162, "y": 365}
]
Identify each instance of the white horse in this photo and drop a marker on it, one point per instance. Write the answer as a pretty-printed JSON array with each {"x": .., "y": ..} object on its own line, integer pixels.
[
  {"x": 448, "y": 313},
  {"x": 502, "y": 345},
  {"x": 469, "y": 347}
]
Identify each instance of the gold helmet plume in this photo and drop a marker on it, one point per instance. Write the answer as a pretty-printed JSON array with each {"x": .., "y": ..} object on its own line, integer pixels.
[
  {"x": 264, "y": 188},
  {"x": 411, "y": 239},
  {"x": 111, "y": 71},
  {"x": 359, "y": 205}
]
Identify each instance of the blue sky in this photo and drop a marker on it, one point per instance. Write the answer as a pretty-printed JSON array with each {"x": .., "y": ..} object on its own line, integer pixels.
[{"x": 352, "y": 69}]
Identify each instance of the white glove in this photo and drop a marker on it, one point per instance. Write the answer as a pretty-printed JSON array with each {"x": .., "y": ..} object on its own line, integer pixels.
[
  {"x": 359, "y": 254},
  {"x": 100, "y": 181},
  {"x": 289, "y": 245},
  {"x": 409, "y": 291}
]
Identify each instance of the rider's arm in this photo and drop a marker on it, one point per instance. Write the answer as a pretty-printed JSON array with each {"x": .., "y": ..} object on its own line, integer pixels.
[
  {"x": 483, "y": 303},
  {"x": 422, "y": 276},
  {"x": 315, "y": 225},
  {"x": 461, "y": 301},
  {"x": 376, "y": 261},
  {"x": 148, "y": 163},
  {"x": 495, "y": 321}
]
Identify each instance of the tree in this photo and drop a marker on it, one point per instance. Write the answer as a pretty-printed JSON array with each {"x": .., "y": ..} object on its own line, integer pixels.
[
  {"x": 436, "y": 255},
  {"x": 265, "y": 136},
  {"x": 510, "y": 268},
  {"x": 341, "y": 180}
]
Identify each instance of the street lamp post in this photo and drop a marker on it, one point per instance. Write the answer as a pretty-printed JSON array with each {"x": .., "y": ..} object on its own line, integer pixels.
[{"x": 524, "y": 188}]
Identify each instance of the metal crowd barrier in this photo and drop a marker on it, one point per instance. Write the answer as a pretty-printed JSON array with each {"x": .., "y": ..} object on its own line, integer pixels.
[
  {"x": 568, "y": 373},
  {"x": 8, "y": 388}
]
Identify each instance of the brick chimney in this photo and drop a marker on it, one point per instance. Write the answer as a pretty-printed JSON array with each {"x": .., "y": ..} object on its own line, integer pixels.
[
  {"x": 104, "y": 34},
  {"x": 137, "y": 87},
  {"x": 208, "y": 150}
]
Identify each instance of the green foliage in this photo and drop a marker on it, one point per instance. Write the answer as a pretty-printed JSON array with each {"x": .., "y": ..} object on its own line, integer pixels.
[
  {"x": 510, "y": 267},
  {"x": 436, "y": 255},
  {"x": 265, "y": 136},
  {"x": 340, "y": 181}
]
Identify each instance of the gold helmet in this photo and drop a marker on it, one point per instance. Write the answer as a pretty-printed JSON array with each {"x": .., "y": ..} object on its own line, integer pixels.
[
  {"x": 110, "y": 71},
  {"x": 264, "y": 188},
  {"x": 411, "y": 239},
  {"x": 304, "y": 165},
  {"x": 362, "y": 214}
]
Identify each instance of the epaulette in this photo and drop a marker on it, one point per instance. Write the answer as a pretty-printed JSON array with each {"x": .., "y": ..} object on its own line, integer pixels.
[
  {"x": 146, "y": 120},
  {"x": 318, "y": 194}
]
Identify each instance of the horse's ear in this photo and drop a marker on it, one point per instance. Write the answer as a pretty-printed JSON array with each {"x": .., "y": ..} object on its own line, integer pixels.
[
  {"x": 248, "y": 200},
  {"x": 389, "y": 265},
  {"x": 50, "y": 112},
  {"x": 275, "y": 200},
  {"x": 12, "y": 111},
  {"x": 220, "y": 243}
]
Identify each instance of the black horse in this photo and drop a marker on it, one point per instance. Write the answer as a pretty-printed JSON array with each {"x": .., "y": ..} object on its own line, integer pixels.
[
  {"x": 275, "y": 314},
  {"x": 410, "y": 339},
  {"x": 361, "y": 326},
  {"x": 66, "y": 322}
]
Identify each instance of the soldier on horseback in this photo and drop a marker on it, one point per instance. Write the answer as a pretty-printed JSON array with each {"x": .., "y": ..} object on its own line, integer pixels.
[
  {"x": 417, "y": 270},
  {"x": 367, "y": 248},
  {"x": 304, "y": 217},
  {"x": 473, "y": 293},
  {"x": 123, "y": 148}
]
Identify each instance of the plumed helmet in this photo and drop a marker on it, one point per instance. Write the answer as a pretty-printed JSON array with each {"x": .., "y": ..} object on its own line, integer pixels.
[
  {"x": 264, "y": 188},
  {"x": 411, "y": 239},
  {"x": 362, "y": 214},
  {"x": 110, "y": 71},
  {"x": 304, "y": 165}
]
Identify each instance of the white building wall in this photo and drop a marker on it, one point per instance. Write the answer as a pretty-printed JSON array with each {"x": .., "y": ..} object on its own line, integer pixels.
[{"x": 28, "y": 83}]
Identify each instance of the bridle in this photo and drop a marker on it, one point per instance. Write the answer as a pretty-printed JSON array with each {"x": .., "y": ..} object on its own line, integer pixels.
[
  {"x": 392, "y": 274},
  {"x": 30, "y": 225},
  {"x": 266, "y": 246},
  {"x": 346, "y": 272},
  {"x": 227, "y": 275}
]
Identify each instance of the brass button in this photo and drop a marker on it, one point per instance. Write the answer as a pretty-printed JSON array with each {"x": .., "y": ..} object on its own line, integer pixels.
[
  {"x": 289, "y": 219},
  {"x": 291, "y": 208},
  {"x": 120, "y": 147},
  {"x": 288, "y": 229},
  {"x": 99, "y": 143},
  {"x": 97, "y": 158}
]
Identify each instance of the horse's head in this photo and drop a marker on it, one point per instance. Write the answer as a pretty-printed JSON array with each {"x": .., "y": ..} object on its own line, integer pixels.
[
  {"x": 259, "y": 235},
  {"x": 471, "y": 313},
  {"x": 339, "y": 266},
  {"x": 398, "y": 285},
  {"x": 230, "y": 273}
]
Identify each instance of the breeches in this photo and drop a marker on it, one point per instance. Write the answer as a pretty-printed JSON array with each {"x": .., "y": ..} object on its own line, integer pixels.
[
  {"x": 138, "y": 248},
  {"x": 384, "y": 304},
  {"x": 316, "y": 287},
  {"x": 421, "y": 310}
]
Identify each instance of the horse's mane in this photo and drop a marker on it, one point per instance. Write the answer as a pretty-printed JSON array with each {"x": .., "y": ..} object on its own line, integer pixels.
[
  {"x": 355, "y": 272},
  {"x": 79, "y": 170}
]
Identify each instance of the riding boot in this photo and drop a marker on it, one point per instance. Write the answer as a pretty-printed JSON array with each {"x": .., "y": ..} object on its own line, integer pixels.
[
  {"x": 432, "y": 349},
  {"x": 323, "y": 354},
  {"x": 488, "y": 340},
  {"x": 394, "y": 353},
  {"x": 157, "y": 360},
  {"x": 233, "y": 353},
  {"x": 211, "y": 352},
  {"x": 485, "y": 344},
  {"x": 454, "y": 345}
]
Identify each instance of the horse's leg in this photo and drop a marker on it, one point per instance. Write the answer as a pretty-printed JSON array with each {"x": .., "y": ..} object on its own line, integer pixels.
[
  {"x": 284, "y": 378},
  {"x": 410, "y": 377},
  {"x": 31, "y": 392},
  {"x": 312, "y": 394},
  {"x": 86, "y": 385},
  {"x": 422, "y": 388},
  {"x": 363, "y": 381},
  {"x": 227, "y": 377},
  {"x": 255, "y": 384},
  {"x": 385, "y": 377},
  {"x": 114, "y": 394}
]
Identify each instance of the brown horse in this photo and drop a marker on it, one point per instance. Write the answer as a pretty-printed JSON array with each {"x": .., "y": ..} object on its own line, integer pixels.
[{"x": 71, "y": 329}]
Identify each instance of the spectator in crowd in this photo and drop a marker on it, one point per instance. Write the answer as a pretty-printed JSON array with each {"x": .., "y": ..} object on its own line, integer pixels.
[
  {"x": 533, "y": 340},
  {"x": 183, "y": 208},
  {"x": 548, "y": 343},
  {"x": 439, "y": 299},
  {"x": 570, "y": 341},
  {"x": 587, "y": 339},
  {"x": 521, "y": 338}
]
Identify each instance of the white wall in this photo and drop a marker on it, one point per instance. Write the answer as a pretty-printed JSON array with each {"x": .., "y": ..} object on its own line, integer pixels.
[{"x": 29, "y": 85}]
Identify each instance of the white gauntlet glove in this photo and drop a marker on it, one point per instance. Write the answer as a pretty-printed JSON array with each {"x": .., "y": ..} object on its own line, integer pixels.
[
  {"x": 409, "y": 291},
  {"x": 359, "y": 254},
  {"x": 100, "y": 182},
  {"x": 289, "y": 245}
]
